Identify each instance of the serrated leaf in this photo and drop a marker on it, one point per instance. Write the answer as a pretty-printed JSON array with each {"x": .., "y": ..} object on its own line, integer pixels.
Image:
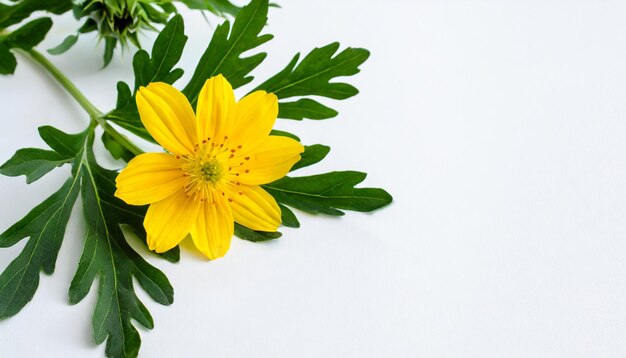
[
  {"x": 327, "y": 193},
  {"x": 255, "y": 236},
  {"x": 33, "y": 163},
  {"x": 312, "y": 77},
  {"x": 108, "y": 256},
  {"x": 45, "y": 227},
  {"x": 288, "y": 218},
  {"x": 312, "y": 154},
  {"x": 29, "y": 35},
  {"x": 224, "y": 53},
  {"x": 67, "y": 43},
  {"x": 305, "y": 108}
]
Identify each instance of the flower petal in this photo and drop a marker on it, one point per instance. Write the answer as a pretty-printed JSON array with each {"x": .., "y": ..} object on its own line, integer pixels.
[
  {"x": 216, "y": 104},
  {"x": 168, "y": 116},
  {"x": 168, "y": 221},
  {"x": 148, "y": 178},
  {"x": 269, "y": 161},
  {"x": 253, "y": 207},
  {"x": 254, "y": 118},
  {"x": 214, "y": 227}
]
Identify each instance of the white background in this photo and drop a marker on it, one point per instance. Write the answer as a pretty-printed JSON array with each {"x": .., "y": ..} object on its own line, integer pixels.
[{"x": 498, "y": 126}]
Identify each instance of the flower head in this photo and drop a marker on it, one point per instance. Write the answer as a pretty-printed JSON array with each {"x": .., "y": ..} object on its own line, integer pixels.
[{"x": 216, "y": 161}]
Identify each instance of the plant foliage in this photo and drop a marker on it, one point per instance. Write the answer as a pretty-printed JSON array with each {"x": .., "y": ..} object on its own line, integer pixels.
[{"x": 107, "y": 257}]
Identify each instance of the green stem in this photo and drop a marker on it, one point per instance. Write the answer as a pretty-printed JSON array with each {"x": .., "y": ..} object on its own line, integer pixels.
[
  {"x": 65, "y": 83},
  {"x": 93, "y": 112}
]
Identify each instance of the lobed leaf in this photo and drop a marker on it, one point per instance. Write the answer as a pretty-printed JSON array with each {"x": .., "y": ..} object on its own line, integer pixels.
[
  {"x": 312, "y": 77},
  {"x": 327, "y": 193},
  {"x": 107, "y": 256},
  {"x": 166, "y": 52},
  {"x": 45, "y": 227},
  {"x": 33, "y": 163},
  {"x": 224, "y": 53}
]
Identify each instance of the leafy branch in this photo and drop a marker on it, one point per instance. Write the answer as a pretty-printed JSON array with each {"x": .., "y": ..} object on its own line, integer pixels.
[{"x": 106, "y": 255}]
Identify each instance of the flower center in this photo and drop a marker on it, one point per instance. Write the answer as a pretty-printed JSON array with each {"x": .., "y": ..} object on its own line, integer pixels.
[
  {"x": 205, "y": 169},
  {"x": 211, "y": 172}
]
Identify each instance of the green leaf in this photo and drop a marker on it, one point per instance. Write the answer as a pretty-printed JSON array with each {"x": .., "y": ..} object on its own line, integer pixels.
[
  {"x": 326, "y": 193},
  {"x": 255, "y": 236},
  {"x": 10, "y": 15},
  {"x": 64, "y": 46},
  {"x": 224, "y": 53},
  {"x": 288, "y": 218},
  {"x": 217, "y": 7},
  {"x": 8, "y": 62},
  {"x": 159, "y": 67},
  {"x": 67, "y": 145},
  {"x": 284, "y": 134},
  {"x": 305, "y": 108},
  {"x": 312, "y": 154},
  {"x": 109, "y": 47},
  {"x": 117, "y": 150},
  {"x": 33, "y": 163},
  {"x": 166, "y": 52},
  {"x": 44, "y": 225},
  {"x": 30, "y": 34},
  {"x": 312, "y": 77},
  {"x": 106, "y": 254},
  {"x": 24, "y": 38},
  {"x": 45, "y": 228},
  {"x": 108, "y": 257},
  {"x": 88, "y": 26},
  {"x": 124, "y": 95}
]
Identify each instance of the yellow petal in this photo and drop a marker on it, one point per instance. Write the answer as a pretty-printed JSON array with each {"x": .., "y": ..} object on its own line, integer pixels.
[
  {"x": 269, "y": 161},
  {"x": 255, "y": 115},
  {"x": 214, "y": 226},
  {"x": 168, "y": 116},
  {"x": 216, "y": 103},
  {"x": 149, "y": 178},
  {"x": 253, "y": 207},
  {"x": 168, "y": 221}
]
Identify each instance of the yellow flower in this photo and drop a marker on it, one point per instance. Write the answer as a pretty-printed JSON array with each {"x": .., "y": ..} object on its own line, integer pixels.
[{"x": 216, "y": 160}]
